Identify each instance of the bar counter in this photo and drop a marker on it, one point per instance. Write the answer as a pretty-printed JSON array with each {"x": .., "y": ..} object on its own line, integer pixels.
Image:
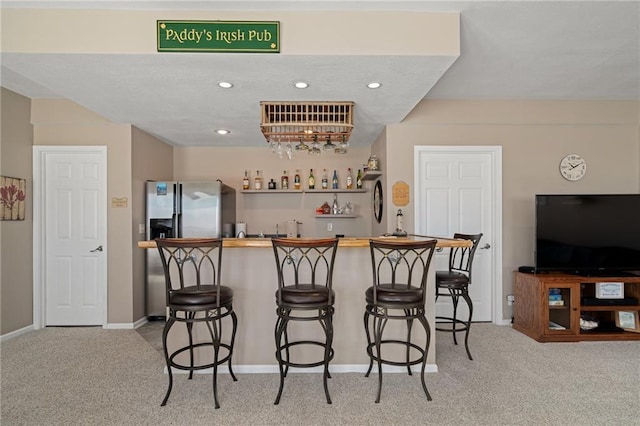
[
  {"x": 344, "y": 242},
  {"x": 251, "y": 273}
]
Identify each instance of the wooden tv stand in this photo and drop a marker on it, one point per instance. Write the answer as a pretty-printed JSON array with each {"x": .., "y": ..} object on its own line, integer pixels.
[{"x": 538, "y": 319}]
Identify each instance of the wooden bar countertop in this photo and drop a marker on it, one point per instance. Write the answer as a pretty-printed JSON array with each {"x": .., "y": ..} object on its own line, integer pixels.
[{"x": 344, "y": 242}]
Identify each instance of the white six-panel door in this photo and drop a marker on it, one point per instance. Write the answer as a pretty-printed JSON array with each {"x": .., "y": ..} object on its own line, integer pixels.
[
  {"x": 73, "y": 222},
  {"x": 456, "y": 191}
]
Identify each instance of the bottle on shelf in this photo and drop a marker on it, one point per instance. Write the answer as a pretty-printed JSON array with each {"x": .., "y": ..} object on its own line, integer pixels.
[
  {"x": 326, "y": 209},
  {"x": 296, "y": 180},
  {"x": 257, "y": 181},
  {"x": 335, "y": 209},
  {"x": 348, "y": 208},
  {"x": 312, "y": 180},
  {"x": 334, "y": 180},
  {"x": 271, "y": 184},
  {"x": 284, "y": 181},
  {"x": 359, "y": 180},
  {"x": 325, "y": 179},
  {"x": 245, "y": 180},
  {"x": 349, "y": 179}
]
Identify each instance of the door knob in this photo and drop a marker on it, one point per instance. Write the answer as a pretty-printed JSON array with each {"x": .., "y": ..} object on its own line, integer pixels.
[
  {"x": 99, "y": 248},
  {"x": 486, "y": 246}
]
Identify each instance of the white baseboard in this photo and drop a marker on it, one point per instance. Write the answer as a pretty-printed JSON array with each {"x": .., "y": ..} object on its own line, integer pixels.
[
  {"x": 16, "y": 333},
  {"x": 504, "y": 322},
  {"x": 333, "y": 368},
  {"x": 119, "y": 326},
  {"x": 126, "y": 325},
  {"x": 140, "y": 322},
  {"x": 110, "y": 326}
]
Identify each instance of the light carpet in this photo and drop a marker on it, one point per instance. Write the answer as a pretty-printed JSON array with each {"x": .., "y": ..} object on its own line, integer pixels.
[{"x": 91, "y": 376}]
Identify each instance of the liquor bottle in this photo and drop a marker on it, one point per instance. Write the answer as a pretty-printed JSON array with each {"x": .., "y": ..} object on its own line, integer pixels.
[
  {"x": 296, "y": 180},
  {"x": 334, "y": 180},
  {"x": 245, "y": 180},
  {"x": 359, "y": 180},
  {"x": 312, "y": 180},
  {"x": 335, "y": 209},
  {"x": 284, "y": 181},
  {"x": 349, "y": 179},
  {"x": 257, "y": 181},
  {"x": 325, "y": 179},
  {"x": 271, "y": 184}
]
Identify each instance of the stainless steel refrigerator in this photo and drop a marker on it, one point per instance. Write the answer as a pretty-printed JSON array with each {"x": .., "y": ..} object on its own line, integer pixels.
[{"x": 182, "y": 209}]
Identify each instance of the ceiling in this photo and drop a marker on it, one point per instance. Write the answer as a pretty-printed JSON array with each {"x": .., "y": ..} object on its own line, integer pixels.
[{"x": 536, "y": 50}]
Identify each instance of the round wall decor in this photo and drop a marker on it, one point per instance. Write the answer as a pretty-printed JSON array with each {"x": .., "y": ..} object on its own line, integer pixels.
[
  {"x": 377, "y": 201},
  {"x": 573, "y": 167}
]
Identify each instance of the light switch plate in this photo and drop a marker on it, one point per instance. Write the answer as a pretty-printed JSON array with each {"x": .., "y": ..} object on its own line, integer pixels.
[{"x": 141, "y": 228}]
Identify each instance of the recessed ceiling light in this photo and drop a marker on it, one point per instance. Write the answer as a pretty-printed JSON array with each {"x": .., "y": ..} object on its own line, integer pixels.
[
  {"x": 223, "y": 131},
  {"x": 301, "y": 85},
  {"x": 374, "y": 85},
  {"x": 225, "y": 84}
]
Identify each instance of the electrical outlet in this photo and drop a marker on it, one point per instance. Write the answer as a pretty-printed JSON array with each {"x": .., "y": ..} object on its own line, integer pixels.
[
  {"x": 511, "y": 299},
  {"x": 329, "y": 226}
]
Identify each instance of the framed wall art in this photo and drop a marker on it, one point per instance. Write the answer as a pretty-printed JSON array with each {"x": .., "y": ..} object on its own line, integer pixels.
[
  {"x": 628, "y": 321},
  {"x": 12, "y": 196}
]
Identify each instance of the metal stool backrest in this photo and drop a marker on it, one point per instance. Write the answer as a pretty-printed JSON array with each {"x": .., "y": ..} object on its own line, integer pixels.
[
  {"x": 191, "y": 262},
  {"x": 461, "y": 258},
  {"x": 401, "y": 265},
  {"x": 306, "y": 262}
]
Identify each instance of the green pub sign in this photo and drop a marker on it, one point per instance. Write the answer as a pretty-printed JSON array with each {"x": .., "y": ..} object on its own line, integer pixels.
[{"x": 219, "y": 36}]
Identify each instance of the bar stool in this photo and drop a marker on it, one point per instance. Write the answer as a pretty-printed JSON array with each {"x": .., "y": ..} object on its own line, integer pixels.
[
  {"x": 305, "y": 275},
  {"x": 192, "y": 268},
  {"x": 398, "y": 292},
  {"x": 454, "y": 283}
]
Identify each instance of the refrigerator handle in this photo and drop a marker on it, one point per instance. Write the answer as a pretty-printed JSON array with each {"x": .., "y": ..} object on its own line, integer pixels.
[
  {"x": 177, "y": 209},
  {"x": 176, "y": 224},
  {"x": 177, "y": 198}
]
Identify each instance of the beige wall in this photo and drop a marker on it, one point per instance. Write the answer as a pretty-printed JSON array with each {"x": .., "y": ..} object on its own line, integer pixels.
[
  {"x": 534, "y": 136},
  {"x": 379, "y": 148},
  {"x": 344, "y": 33},
  {"x": 133, "y": 156},
  {"x": 261, "y": 212},
  {"x": 151, "y": 159},
  {"x": 537, "y": 133},
  {"x": 61, "y": 122},
  {"x": 16, "y": 248}
]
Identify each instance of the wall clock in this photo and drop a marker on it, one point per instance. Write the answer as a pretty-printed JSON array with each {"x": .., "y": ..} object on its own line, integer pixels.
[
  {"x": 573, "y": 167},
  {"x": 377, "y": 201}
]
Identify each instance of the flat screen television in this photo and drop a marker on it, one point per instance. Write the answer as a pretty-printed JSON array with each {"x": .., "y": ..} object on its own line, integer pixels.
[{"x": 593, "y": 235}]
